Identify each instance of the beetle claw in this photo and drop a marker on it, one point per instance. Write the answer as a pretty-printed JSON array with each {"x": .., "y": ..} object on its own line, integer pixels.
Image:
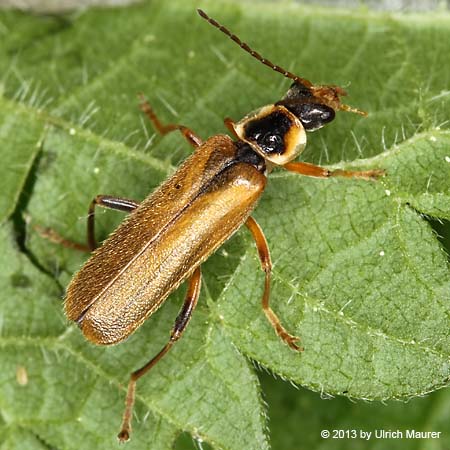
[
  {"x": 291, "y": 341},
  {"x": 123, "y": 436}
]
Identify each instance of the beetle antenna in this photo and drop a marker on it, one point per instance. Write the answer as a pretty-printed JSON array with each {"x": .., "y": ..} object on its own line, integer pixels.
[
  {"x": 252, "y": 52},
  {"x": 328, "y": 94}
]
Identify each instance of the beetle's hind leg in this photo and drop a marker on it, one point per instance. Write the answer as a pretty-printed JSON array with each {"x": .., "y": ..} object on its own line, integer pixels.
[
  {"x": 181, "y": 322},
  {"x": 266, "y": 264},
  {"x": 189, "y": 135}
]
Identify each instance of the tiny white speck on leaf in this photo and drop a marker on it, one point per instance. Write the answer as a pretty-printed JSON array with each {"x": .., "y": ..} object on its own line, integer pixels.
[
  {"x": 447, "y": 158},
  {"x": 72, "y": 132},
  {"x": 96, "y": 170},
  {"x": 382, "y": 253},
  {"x": 22, "y": 376},
  {"x": 388, "y": 192},
  {"x": 433, "y": 138}
]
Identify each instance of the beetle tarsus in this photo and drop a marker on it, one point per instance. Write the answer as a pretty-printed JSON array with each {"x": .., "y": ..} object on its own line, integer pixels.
[
  {"x": 369, "y": 175},
  {"x": 123, "y": 436},
  {"x": 291, "y": 341},
  {"x": 311, "y": 170},
  {"x": 125, "y": 431}
]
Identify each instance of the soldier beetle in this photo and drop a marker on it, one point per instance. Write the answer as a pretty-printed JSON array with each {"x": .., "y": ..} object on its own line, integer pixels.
[{"x": 165, "y": 238}]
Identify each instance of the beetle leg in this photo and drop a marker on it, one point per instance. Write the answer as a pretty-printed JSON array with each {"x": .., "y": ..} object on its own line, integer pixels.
[
  {"x": 190, "y": 136},
  {"x": 181, "y": 322},
  {"x": 229, "y": 123},
  {"x": 106, "y": 201},
  {"x": 53, "y": 236},
  {"x": 311, "y": 170},
  {"x": 266, "y": 265}
]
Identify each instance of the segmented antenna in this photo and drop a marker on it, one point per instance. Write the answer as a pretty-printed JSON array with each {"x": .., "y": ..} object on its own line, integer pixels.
[
  {"x": 328, "y": 94},
  {"x": 252, "y": 52}
]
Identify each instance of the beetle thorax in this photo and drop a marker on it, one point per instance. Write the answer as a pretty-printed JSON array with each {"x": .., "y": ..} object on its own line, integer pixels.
[{"x": 273, "y": 132}]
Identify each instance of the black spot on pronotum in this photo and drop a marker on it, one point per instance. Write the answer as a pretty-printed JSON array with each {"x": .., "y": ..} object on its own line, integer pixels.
[{"x": 269, "y": 132}]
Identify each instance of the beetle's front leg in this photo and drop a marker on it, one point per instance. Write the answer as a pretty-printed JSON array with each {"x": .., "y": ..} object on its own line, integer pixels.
[
  {"x": 266, "y": 264},
  {"x": 311, "y": 170},
  {"x": 163, "y": 129}
]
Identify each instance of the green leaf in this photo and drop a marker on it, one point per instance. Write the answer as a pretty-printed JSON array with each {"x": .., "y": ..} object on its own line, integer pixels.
[
  {"x": 359, "y": 274},
  {"x": 370, "y": 296},
  {"x": 293, "y": 429},
  {"x": 22, "y": 150}
]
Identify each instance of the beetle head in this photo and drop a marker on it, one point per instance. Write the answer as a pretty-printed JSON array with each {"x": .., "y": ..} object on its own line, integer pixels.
[
  {"x": 312, "y": 112},
  {"x": 315, "y": 106}
]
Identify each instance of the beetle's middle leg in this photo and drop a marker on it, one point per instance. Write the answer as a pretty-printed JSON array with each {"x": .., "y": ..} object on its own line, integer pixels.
[
  {"x": 266, "y": 264},
  {"x": 189, "y": 135},
  {"x": 181, "y": 322},
  {"x": 106, "y": 201}
]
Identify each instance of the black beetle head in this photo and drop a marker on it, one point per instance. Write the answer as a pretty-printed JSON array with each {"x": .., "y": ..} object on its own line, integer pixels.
[{"x": 315, "y": 106}]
